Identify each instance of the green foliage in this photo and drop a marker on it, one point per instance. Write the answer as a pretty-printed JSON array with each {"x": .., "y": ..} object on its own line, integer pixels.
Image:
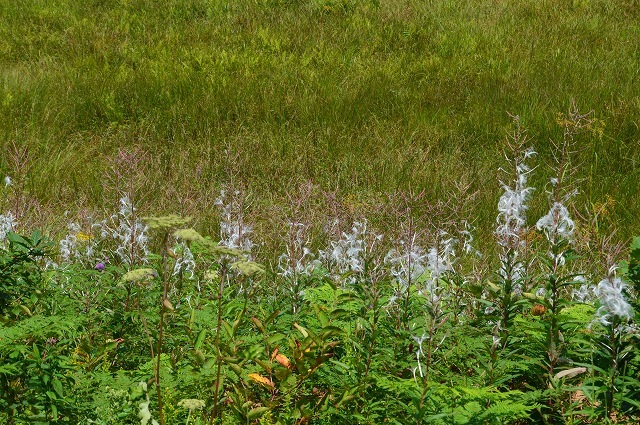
[
  {"x": 20, "y": 275},
  {"x": 375, "y": 96},
  {"x": 339, "y": 357}
]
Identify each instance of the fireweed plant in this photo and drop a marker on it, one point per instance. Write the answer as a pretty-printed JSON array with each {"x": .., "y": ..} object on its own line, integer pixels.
[
  {"x": 613, "y": 340},
  {"x": 127, "y": 320},
  {"x": 553, "y": 292}
]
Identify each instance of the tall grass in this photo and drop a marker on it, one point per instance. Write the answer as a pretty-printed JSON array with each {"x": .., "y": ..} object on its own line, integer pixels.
[{"x": 358, "y": 97}]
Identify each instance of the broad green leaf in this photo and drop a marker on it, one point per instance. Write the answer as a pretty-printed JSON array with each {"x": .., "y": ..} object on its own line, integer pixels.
[
  {"x": 256, "y": 412},
  {"x": 200, "y": 339},
  {"x": 57, "y": 387},
  {"x": 275, "y": 338},
  {"x": 302, "y": 330}
]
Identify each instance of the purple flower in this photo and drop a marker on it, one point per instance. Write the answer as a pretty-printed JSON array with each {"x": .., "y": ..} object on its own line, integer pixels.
[{"x": 100, "y": 266}]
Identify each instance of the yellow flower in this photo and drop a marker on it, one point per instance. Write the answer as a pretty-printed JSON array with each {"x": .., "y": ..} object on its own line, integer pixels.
[{"x": 81, "y": 236}]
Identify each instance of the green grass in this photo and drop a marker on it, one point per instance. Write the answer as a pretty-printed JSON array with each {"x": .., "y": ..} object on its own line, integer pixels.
[{"x": 363, "y": 97}]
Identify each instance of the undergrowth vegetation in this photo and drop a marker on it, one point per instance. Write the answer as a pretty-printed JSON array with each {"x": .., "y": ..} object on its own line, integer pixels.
[
  {"x": 131, "y": 319},
  {"x": 307, "y": 212}
]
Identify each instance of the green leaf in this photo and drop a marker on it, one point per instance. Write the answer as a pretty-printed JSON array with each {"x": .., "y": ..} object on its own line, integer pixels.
[
  {"x": 57, "y": 387},
  {"x": 227, "y": 328},
  {"x": 337, "y": 313},
  {"x": 275, "y": 338},
  {"x": 321, "y": 315},
  {"x": 302, "y": 330},
  {"x": 256, "y": 412},
  {"x": 271, "y": 317},
  {"x": 200, "y": 339}
]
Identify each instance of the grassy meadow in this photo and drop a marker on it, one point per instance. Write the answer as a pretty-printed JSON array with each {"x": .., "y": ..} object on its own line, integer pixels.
[
  {"x": 319, "y": 212},
  {"x": 361, "y": 98}
]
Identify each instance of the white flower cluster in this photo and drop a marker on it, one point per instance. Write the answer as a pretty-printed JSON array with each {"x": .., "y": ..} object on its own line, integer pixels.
[
  {"x": 512, "y": 205},
  {"x": 346, "y": 255},
  {"x": 129, "y": 233},
  {"x": 584, "y": 292},
  {"x": 407, "y": 263},
  {"x": 298, "y": 260},
  {"x": 466, "y": 235},
  {"x": 610, "y": 292},
  {"x": 7, "y": 224},
  {"x": 440, "y": 259},
  {"x": 185, "y": 263},
  {"x": 557, "y": 223},
  {"x": 234, "y": 232},
  {"x": 78, "y": 246}
]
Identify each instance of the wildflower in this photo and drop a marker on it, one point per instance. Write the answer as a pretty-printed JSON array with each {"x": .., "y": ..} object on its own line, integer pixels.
[
  {"x": 129, "y": 233},
  {"x": 191, "y": 404},
  {"x": 610, "y": 292},
  {"x": 7, "y": 224},
  {"x": 496, "y": 341},
  {"x": 100, "y": 266},
  {"x": 78, "y": 245},
  {"x": 512, "y": 205},
  {"x": 234, "y": 232},
  {"x": 557, "y": 223},
  {"x": 347, "y": 254},
  {"x": 408, "y": 263},
  {"x": 442, "y": 257},
  {"x": 583, "y": 293},
  {"x": 185, "y": 263},
  {"x": 84, "y": 236},
  {"x": 298, "y": 260},
  {"x": 68, "y": 250},
  {"x": 7, "y": 181}
]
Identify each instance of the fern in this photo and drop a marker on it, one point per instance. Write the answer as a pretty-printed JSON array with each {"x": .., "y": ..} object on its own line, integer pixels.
[{"x": 37, "y": 328}]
